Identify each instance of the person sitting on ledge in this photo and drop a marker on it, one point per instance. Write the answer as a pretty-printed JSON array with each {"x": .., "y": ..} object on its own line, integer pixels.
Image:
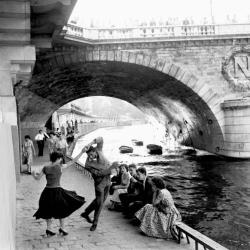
[
  {"x": 121, "y": 188},
  {"x": 115, "y": 180},
  {"x": 134, "y": 190},
  {"x": 158, "y": 219},
  {"x": 145, "y": 197}
]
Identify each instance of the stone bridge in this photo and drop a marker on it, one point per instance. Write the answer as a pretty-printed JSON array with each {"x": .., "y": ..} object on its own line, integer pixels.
[
  {"x": 196, "y": 87},
  {"x": 194, "y": 80}
]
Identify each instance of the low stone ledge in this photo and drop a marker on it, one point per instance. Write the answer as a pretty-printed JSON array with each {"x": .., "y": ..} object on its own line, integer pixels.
[{"x": 236, "y": 103}]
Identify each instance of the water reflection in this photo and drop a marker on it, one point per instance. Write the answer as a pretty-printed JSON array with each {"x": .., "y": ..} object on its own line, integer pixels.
[{"x": 212, "y": 193}]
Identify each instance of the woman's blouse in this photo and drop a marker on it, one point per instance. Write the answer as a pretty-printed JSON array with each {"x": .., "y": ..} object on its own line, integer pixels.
[
  {"x": 125, "y": 179},
  {"x": 53, "y": 175},
  {"x": 164, "y": 201},
  {"x": 27, "y": 146}
]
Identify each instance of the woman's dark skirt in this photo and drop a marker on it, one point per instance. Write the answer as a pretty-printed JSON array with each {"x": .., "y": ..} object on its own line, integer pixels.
[{"x": 58, "y": 203}]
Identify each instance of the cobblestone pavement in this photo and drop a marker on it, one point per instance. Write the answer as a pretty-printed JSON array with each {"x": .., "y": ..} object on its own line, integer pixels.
[{"x": 113, "y": 231}]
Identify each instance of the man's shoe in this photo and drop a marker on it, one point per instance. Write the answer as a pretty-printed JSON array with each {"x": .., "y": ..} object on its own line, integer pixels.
[
  {"x": 86, "y": 217},
  {"x": 93, "y": 227},
  {"x": 50, "y": 233},
  {"x": 62, "y": 232}
]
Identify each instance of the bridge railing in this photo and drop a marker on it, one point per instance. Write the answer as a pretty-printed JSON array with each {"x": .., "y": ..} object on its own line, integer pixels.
[{"x": 100, "y": 34}]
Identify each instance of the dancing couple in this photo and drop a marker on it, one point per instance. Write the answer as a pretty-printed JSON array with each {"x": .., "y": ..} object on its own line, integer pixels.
[{"x": 58, "y": 203}]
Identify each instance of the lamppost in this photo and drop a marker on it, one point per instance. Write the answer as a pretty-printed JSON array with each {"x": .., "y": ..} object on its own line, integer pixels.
[{"x": 211, "y": 11}]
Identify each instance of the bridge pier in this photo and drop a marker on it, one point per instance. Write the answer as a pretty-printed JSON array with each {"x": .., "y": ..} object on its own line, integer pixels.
[{"x": 236, "y": 128}]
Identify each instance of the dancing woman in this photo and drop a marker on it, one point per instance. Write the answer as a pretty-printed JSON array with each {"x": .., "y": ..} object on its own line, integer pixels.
[{"x": 56, "y": 202}]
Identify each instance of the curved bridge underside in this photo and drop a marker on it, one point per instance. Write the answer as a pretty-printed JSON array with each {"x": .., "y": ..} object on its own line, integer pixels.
[{"x": 169, "y": 100}]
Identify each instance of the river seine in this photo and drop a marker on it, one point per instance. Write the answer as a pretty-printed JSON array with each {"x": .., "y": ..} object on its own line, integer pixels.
[{"x": 212, "y": 193}]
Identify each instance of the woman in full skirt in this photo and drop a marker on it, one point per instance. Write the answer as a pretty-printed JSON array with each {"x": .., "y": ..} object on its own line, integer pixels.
[
  {"x": 56, "y": 202},
  {"x": 158, "y": 219}
]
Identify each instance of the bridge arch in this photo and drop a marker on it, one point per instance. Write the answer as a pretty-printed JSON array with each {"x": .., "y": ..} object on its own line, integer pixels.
[{"x": 145, "y": 81}]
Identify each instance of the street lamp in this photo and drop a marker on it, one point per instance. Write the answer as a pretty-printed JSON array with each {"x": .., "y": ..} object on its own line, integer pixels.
[{"x": 211, "y": 11}]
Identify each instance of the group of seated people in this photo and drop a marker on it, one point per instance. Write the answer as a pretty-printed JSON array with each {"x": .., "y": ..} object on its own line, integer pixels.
[{"x": 146, "y": 199}]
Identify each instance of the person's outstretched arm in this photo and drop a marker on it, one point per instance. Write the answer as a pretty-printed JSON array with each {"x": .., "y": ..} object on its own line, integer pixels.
[
  {"x": 46, "y": 135},
  {"x": 70, "y": 163},
  {"x": 37, "y": 176},
  {"x": 33, "y": 148},
  {"x": 98, "y": 141},
  {"x": 102, "y": 172}
]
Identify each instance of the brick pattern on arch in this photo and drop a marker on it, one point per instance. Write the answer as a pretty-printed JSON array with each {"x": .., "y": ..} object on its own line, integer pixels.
[
  {"x": 199, "y": 90},
  {"x": 187, "y": 78}
]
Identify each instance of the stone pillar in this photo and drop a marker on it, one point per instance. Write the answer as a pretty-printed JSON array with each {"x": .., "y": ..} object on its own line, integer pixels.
[
  {"x": 236, "y": 128},
  {"x": 7, "y": 189},
  {"x": 9, "y": 151},
  {"x": 17, "y": 58}
]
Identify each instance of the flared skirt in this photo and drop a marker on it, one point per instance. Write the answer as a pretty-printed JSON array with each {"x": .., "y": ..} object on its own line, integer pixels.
[{"x": 58, "y": 203}]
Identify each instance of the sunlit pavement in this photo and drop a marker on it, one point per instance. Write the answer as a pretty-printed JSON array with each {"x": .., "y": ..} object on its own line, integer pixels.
[{"x": 113, "y": 231}]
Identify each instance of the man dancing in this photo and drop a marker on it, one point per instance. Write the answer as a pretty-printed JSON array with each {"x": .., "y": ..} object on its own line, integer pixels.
[{"x": 100, "y": 168}]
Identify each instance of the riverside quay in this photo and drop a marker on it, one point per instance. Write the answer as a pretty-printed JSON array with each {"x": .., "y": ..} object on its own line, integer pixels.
[{"x": 193, "y": 77}]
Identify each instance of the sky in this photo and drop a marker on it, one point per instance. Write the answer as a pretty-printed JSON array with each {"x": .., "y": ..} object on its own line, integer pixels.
[{"x": 121, "y": 11}]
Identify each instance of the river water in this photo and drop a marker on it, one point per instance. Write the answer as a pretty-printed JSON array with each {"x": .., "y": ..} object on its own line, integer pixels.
[{"x": 212, "y": 193}]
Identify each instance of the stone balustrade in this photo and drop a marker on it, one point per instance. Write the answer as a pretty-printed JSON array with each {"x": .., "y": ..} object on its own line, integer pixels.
[{"x": 157, "y": 31}]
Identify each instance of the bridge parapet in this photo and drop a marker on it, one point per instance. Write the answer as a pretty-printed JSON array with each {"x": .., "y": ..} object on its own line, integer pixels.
[{"x": 107, "y": 35}]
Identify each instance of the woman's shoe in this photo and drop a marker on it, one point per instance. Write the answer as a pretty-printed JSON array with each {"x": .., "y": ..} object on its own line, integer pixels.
[
  {"x": 62, "y": 232},
  {"x": 49, "y": 233}
]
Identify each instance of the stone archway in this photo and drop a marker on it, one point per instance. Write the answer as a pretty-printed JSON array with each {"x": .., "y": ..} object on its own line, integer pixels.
[{"x": 162, "y": 90}]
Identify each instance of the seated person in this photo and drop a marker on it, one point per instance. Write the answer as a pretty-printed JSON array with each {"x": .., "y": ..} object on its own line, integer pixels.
[
  {"x": 121, "y": 188},
  {"x": 134, "y": 190},
  {"x": 158, "y": 219},
  {"x": 146, "y": 196},
  {"x": 115, "y": 180}
]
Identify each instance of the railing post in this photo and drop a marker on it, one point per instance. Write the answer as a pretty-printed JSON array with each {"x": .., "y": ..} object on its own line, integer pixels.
[{"x": 179, "y": 235}]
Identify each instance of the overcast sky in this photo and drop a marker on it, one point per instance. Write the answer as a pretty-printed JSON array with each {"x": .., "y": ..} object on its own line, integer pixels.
[{"x": 120, "y": 11}]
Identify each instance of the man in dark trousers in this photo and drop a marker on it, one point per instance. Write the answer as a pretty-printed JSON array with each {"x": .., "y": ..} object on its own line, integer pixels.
[
  {"x": 100, "y": 168},
  {"x": 40, "y": 138},
  {"x": 146, "y": 197}
]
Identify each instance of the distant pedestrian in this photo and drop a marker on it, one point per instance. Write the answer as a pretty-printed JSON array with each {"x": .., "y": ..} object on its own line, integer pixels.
[
  {"x": 28, "y": 150},
  {"x": 40, "y": 138},
  {"x": 52, "y": 142},
  {"x": 56, "y": 202},
  {"x": 61, "y": 146}
]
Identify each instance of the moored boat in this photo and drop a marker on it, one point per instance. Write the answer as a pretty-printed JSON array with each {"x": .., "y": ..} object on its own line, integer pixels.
[
  {"x": 126, "y": 149},
  {"x": 154, "y": 149},
  {"x": 137, "y": 142}
]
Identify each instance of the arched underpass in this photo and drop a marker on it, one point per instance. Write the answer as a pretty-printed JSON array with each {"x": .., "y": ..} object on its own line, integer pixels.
[{"x": 57, "y": 81}]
